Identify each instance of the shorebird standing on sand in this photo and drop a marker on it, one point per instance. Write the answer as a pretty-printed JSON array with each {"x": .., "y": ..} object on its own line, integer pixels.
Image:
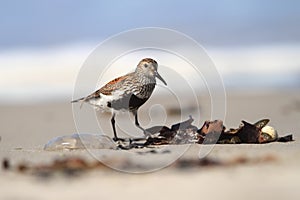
[{"x": 126, "y": 93}]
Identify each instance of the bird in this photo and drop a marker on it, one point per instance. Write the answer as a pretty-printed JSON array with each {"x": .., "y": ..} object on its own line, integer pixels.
[{"x": 126, "y": 93}]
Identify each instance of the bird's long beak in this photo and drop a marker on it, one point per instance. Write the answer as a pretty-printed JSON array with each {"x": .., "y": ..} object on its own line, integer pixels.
[{"x": 160, "y": 78}]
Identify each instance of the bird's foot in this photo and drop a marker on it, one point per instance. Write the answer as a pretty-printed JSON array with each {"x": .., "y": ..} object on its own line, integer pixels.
[
  {"x": 127, "y": 143},
  {"x": 117, "y": 139}
]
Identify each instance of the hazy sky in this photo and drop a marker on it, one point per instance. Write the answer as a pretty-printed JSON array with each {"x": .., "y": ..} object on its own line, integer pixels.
[{"x": 239, "y": 22}]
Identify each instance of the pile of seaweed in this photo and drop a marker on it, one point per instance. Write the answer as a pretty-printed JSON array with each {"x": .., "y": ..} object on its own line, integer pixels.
[{"x": 211, "y": 132}]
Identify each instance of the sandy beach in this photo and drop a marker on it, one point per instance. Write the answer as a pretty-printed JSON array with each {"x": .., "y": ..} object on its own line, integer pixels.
[
  {"x": 271, "y": 173},
  {"x": 222, "y": 63}
]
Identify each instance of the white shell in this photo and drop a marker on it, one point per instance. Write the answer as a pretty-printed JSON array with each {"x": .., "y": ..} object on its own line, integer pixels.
[{"x": 272, "y": 132}]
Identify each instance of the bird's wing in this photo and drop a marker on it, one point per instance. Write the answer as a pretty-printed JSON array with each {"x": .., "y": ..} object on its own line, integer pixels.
[{"x": 107, "y": 89}]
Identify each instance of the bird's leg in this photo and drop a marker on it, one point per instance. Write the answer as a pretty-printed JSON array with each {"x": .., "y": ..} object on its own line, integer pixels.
[
  {"x": 114, "y": 127},
  {"x": 137, "y": 121},
  {"x": 138, "y": 124}
]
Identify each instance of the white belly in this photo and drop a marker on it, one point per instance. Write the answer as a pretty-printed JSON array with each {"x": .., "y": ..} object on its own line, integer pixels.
[{"x": 102, "y": 102}]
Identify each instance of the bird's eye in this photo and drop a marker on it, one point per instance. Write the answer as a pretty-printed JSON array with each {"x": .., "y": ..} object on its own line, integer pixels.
[{"x": 146, "y": 65}]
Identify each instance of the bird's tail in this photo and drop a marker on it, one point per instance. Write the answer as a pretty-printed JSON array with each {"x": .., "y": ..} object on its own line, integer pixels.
[
  {"x": 81, "y": 100},
  {"x": 77, "y": 100}
]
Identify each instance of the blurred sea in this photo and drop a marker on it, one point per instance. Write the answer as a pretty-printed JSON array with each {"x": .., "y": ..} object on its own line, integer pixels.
[
  {"x": 42, "y": 74},
  {"x": 255, "y": 45}
]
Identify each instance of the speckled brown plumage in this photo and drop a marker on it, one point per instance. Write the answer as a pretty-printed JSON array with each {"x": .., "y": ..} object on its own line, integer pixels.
[{"x": 126, "y": 93}]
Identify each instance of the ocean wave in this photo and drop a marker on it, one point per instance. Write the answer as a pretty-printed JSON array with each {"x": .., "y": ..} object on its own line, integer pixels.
[{"x": 29, "y": 75}]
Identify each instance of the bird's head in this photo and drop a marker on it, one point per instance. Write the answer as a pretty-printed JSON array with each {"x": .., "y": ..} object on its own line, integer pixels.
[{"x": 148, "y": 67}]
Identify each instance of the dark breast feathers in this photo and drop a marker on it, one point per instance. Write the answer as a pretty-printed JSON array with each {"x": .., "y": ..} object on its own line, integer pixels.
[{"x": 132, "y": 101}]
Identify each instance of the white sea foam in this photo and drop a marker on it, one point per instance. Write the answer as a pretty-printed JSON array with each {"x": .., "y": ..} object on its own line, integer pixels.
[{"x": 30, "y": 75}]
